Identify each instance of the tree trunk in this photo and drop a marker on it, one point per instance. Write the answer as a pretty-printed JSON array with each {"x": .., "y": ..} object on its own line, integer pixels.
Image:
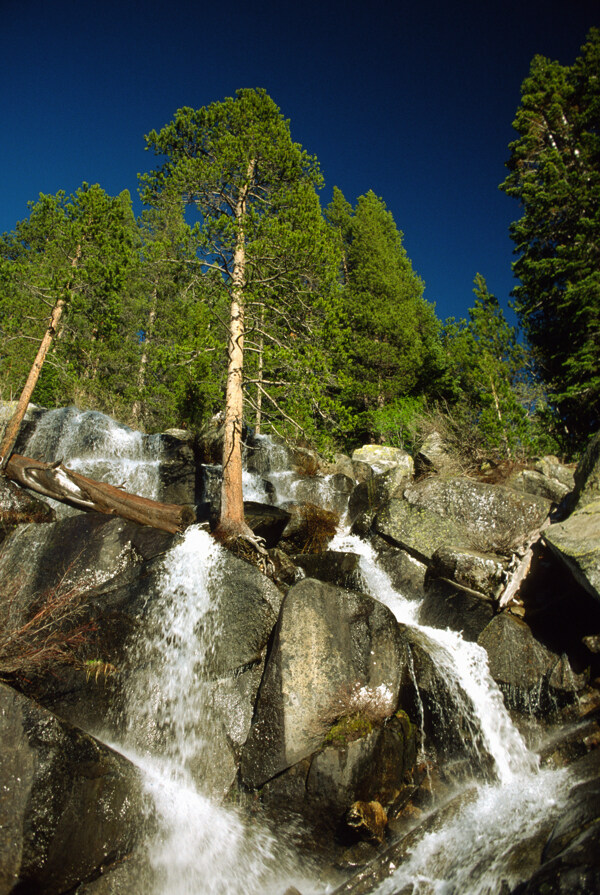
[
  {"x": 12, "y": 430},
  {"x": 60, "y": 483},
  {"x": 259, "y": 389},
  {"x": 231, "y": 520},
  {"x": 14, "y": 424},
  {"x": 136, "y": 410}
]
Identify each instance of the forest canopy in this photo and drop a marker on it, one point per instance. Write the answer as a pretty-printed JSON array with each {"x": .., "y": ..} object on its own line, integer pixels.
[{"x": 340, "y": 345}]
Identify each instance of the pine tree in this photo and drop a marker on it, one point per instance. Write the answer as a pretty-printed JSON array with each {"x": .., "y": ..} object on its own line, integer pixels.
[{"x": 554, "y": 171}]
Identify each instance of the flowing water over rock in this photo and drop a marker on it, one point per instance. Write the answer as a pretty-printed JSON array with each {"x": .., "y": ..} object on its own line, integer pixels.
[{"x": 197, "y": 845}]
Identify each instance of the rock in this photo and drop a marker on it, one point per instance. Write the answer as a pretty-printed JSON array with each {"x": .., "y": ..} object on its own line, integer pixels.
[
  {"x": 341, "y": 463},
  {"x": 329, "y": 492},
  {"x": 381, "y": 458},
  {"x": 587, "y": 475},
  {"x": 18, "y": 506},
  {"x": 309, "y": 530},
  {"x": 482, "y": 572},
  {"x": 368, "y": 819},
  {"x": 417, "y": 530},
  {"x": 70, "y": 805},
  {"x": 179, "y": 482},
  {"x": 576, "y": 542},
  {"x": 532, "y": 677},
  {"x": 496, "y": 518},
  {"x": 571, "y": 856},
  {"x": 334, "y": 567},
  {"x": 362, "y": 471},
  {"x": 334, "y": 653},
  {"x": 368, "y": 497},
  {"x": 406, "y": 574},
  {"x": 434, "y": 457},
  {"x": 541, "y": 483},
  {"x": 266, "y": 521},
  {"x": 448, "y": 606}
]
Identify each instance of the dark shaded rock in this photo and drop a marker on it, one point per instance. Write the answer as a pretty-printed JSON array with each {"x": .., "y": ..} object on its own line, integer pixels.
[
  {"x": 334, "y": 567},
  {"x": 69, "y": 805},
  {"x": 532, "y": 677},
  {"x": 266, "y": 521},
  {"x": 571, "y": 856},
  {"x": 406, "y": 573},
  {"x": 329, "y": 492},
  {"x": 367, "y": 497},
  {"x": 334, "y": 653},
  {"x": 362, "y": 471},
  {"x": 19, "y": 506},
  {"x": 309, "y": 530},
  {"x": 179, "y": 482},
  {"x": 448, "y": 606}
]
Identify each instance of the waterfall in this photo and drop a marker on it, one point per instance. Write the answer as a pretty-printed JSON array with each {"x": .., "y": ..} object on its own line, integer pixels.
[
  {"x": 471, "y": 854},
  {"x": 95, "y": 445},
  {"x": 199, "y": 846}
]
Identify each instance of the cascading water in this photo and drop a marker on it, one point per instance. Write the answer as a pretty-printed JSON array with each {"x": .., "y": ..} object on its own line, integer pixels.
[
  {"x": 95, "y": 445},
  {"x": 471, "y": 854},
  {"x": 199, "y": 846}
]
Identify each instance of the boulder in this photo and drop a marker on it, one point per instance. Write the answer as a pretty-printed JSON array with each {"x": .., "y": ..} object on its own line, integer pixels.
[
  {"x": 418, "y": 530},
  {"x": 481, "y": 572},
  {"x": 434, "y": 457},
  {"x": 329, "y": 492},
  {"x": 448, "y": 606},
  {"x": 334, "y": 567},
  {"x": 70, "y": 806},
  {"x": 381, "y": 458},
  {"x": 576, "y": 542},
  {"x": 340, "y": 463},
  {"x": 587, "y": 474},
  {"x": 549, "y": 479},
  {"x": 334, "y": 653},
  {"x": 496, "y": 518},
  {"x": 18, "y": 506},
  {"x": 406, "y": 574},
  {"x": 532, "y": 677},
  {"x": 266, "y": 521},
  {"x": 179, "y": 482},
  {"x": 367, "y": 497}
]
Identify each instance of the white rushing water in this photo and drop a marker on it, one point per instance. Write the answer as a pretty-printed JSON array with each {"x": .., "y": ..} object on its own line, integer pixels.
[
  {"x": 471, "y": 854},
  {"x": 95, "y": 445},
  {"x": 200, "y": 847}
]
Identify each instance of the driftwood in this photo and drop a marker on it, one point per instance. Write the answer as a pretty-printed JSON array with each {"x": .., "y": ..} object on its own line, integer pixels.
[
  {"x": 519, "y": 567},
  {"x": 56, "y": 481}
]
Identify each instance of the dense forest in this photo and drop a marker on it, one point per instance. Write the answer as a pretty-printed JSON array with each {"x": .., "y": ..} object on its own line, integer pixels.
[{"x": 235, "y": 276}]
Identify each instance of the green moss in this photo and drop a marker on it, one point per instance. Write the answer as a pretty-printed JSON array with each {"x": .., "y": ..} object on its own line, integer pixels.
[{"x": 348, "y": 729}]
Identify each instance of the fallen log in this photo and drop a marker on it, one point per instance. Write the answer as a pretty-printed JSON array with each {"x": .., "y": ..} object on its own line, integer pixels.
[{"x": 56, "y": 481}]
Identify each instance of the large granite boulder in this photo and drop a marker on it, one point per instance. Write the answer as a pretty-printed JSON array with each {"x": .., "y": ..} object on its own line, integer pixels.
[
  {"x": 381, "y": 458},
  {"x": 418, "y": 530},
  {"x": 334, "y": 653},
  {"x": 434, "y": 457},
  {"x": 533, "y": 678},
  {"x": 548, "y": 478},
  {"x": 576, "y": 540},
  {"x": 179, "y": 480},
  {"x": 367, "y": 497},
  {"x": 69, "y": 805}
]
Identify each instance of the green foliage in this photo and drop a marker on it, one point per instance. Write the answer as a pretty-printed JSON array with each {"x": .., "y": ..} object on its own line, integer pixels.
[
  {"x": 391, "y": 349},
  {"x": 491, "y": 385},
  {"x": 554, "y": 172},
  {"x": 348, "y": 729}
]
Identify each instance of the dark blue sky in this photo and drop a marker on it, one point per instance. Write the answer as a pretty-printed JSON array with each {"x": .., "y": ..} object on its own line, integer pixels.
[{"x": 413, "y": 100}]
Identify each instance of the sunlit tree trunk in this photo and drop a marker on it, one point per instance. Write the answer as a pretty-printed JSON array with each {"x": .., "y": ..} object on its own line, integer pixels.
[
  {"x": 231, "y": 521},
  {"x": 12, "y": 430}
]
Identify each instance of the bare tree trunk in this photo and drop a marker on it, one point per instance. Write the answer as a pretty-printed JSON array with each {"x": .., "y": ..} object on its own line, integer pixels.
[
  {"x": 14, "y": 424},
  {"x": 60, "y": 483},
  {"x": 12, "y": 430},
  {"x": 500, "y": 420},
  {"x": 259, "y": 390},
  {"x": 136, "y": 410},
  {"x": 231, "y": 520}
]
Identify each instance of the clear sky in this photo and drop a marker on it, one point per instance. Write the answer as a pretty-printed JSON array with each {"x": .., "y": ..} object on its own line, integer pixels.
[{"x": 413, "y": 100}]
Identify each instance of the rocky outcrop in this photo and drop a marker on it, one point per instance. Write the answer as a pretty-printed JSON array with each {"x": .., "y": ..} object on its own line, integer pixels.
[
  {"x": 576, "y": 540},
  {"x": 353, "y": 664},
  {"x": 69, "y": 805},
  {"x": 381, "y": 458},
  {"x": 532, "y": 677}
]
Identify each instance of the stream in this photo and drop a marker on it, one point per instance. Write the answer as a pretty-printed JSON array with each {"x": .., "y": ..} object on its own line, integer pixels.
[{"x": 200, "y": 846}]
